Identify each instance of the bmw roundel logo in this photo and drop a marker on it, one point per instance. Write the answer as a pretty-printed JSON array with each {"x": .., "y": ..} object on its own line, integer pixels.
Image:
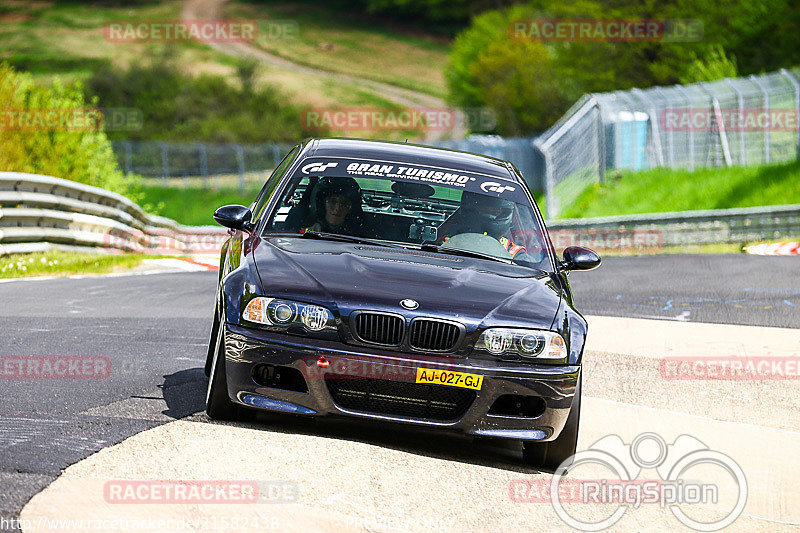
[{"x": 409, "y": 304}]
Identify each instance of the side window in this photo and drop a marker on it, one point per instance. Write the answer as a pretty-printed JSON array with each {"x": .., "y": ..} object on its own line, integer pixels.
[{"x": 273, "y": 181}]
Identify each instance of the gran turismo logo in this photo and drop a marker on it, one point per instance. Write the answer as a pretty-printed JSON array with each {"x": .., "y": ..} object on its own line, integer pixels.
[
  {"x": 317, "y": 167},
  {"x": 493, "y": 186}
]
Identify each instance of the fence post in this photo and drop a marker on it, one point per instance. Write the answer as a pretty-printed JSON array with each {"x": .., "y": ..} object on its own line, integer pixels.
[
  {"x": 549, "y": 200},
  {"x": 128, "y": 166},
  {"x": 655, "y": 126},
  {"x": 201, "y": 148},
  {"x": 671, "y": 136},
  {"x": 766, "y": 123},
  {"x": 740, "y": 100},
  {"x": 723, "y": 135},
  {"x": 276, "y": 155},
  {"x": 601, "y": 145},
  {"x": 240, "y": 163},
  {"x": 789, "y": 76},
  {"x": 164, "y": 161},
  {"x": 690, "y": 107}
]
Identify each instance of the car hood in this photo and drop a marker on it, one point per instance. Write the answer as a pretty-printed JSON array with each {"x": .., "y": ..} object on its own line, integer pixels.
[{"x": 347, "y": 277}]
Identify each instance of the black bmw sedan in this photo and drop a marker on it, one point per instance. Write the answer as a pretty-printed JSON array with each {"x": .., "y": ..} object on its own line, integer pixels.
[{"x": 403, "y": 283}]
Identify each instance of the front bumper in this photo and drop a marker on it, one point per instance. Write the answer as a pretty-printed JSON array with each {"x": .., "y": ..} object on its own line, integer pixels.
[{"x": 552, "y": 386}]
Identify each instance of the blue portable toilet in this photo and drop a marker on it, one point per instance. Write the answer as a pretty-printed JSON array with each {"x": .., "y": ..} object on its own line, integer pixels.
[{"x": 629, "y": 134}]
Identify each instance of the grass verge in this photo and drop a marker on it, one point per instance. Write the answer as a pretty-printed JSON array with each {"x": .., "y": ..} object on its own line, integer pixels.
[
  {"x": 60, "y": 263},
  {"x": 193, "y": 206},
  {"x": 662, "y": 190}
]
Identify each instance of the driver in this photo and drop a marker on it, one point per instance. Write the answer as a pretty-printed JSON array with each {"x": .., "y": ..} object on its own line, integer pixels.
[
  {"x": 336, "y": 207},
  {"x": 480, "y": 213}
]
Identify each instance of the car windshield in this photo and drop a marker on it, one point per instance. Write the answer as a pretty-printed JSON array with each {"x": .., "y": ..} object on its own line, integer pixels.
[{"x": 416, "y": 206}]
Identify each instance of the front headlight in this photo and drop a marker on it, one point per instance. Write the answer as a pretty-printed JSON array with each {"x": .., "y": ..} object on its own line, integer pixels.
[
  {"x": 527, "y": 343},
  {"x": 285, "y": 313}
]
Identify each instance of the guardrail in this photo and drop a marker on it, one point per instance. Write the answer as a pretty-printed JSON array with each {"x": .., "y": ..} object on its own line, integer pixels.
[
  {"x": 656, "y": 230},
  {"x": 37, "y": 212},
  {"x": 40, "y": 211}
]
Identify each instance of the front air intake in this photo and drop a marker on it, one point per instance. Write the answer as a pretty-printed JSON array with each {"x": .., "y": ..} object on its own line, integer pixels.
[
  {"x": 434, "y": 335},
  {"x": 379, "y": 328}
]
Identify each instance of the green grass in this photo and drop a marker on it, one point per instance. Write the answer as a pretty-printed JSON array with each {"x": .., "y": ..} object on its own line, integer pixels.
[
  {"x": 663, "y": 190},
  {"x": 59, "y": 263},
  {"x": 193, "y": 206}
]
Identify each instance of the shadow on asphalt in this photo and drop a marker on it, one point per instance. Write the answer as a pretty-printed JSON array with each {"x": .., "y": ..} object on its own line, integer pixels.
[{"x": 185, "y": 393}]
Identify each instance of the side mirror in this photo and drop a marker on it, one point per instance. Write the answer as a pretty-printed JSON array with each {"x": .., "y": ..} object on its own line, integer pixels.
[
  {"x": 580, "y": 258},
  {"x": 234, "y": 216}
]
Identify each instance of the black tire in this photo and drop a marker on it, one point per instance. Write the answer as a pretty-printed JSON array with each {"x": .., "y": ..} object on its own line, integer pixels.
[
  {"x": 212, "y": 344},
  {"x": 218, "y": 405},
  {"x": 548, "y": 456}
]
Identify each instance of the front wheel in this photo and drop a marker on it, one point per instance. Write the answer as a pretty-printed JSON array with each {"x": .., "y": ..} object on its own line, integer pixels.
[
  {"x": 218, "y": 405},
  {"x": 549, "y": 455}
]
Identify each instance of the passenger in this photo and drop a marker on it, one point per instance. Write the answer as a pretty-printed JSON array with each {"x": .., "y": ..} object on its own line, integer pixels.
[{"x": 480, "y": 213}]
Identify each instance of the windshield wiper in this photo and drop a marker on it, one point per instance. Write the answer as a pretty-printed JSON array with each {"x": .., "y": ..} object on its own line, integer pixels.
[
  {"x": 322, "y": 235},
  {"x": 458, "y": 251}
]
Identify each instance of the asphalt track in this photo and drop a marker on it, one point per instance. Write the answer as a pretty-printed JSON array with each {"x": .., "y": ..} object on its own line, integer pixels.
[{"x": 154, "y": 329}]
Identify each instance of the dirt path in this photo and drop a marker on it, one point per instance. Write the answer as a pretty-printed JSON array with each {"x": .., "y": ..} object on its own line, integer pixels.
[{"x": 213, "y": 9}]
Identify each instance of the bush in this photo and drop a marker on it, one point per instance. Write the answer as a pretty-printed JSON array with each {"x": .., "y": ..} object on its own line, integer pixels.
[
  {"x": 80, "y": 154},
  {"x": 179, "y": 107}
]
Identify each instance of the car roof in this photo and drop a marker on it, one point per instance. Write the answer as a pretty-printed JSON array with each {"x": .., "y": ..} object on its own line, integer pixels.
[{"x": 409, "y": 153}]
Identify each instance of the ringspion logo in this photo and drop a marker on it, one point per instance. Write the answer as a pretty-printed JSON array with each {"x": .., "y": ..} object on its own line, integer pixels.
[{"x": 686, "y": 473}]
